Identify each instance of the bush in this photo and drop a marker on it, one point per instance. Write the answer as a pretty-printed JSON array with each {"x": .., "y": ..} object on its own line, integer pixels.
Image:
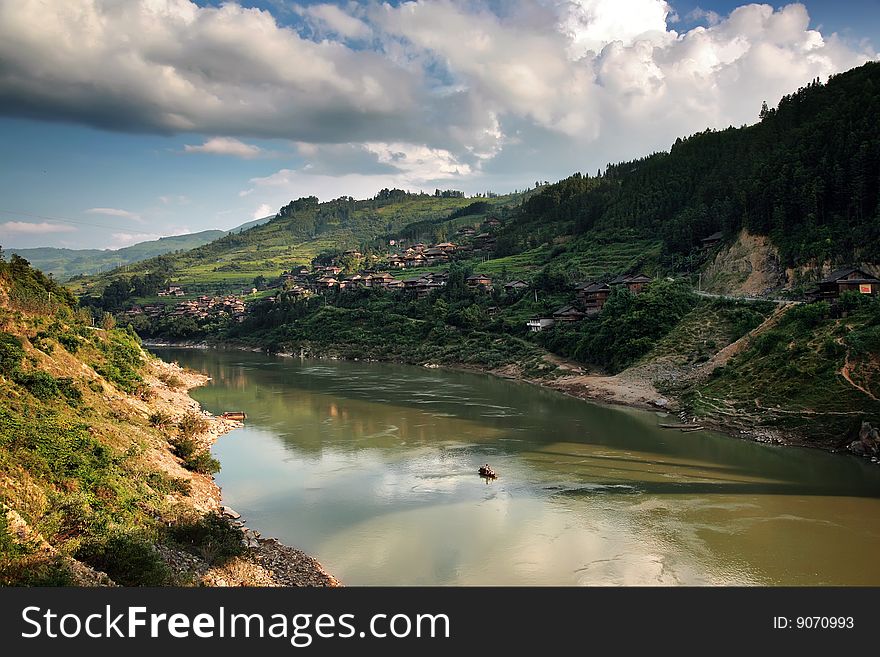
[
  {"x": 195, "y": 459},
  {"x": 128, "y": 557},
  {"x": 171, "y": 380},
  {"x": 211, "y": 537},
  {"x": 11, "y": 353},
  {"x": 192, "y": 424},
  {"x": 41, "y": 385},
  {"x": 34, "y": 570},
  {"x": 159, "y": 419},
  {"x": 203, "y": 463}
]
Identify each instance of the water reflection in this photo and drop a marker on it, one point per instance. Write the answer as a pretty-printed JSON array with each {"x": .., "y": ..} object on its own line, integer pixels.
[{"x": 372, "y": 468}]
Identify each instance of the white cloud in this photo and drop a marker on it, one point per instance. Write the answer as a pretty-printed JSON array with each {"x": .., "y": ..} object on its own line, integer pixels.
[
  {"x": 337, "y": 21},
  {"x": 263, "y": 211},
  {"x": 440, "y": 90},
  {"x": 39, "y": 228},
  {"x": 590, "y": 25},
  {"x": 225, "y": 146},
  {"x": 115, "y": 212},
  {"x": 171, "y": 66}
]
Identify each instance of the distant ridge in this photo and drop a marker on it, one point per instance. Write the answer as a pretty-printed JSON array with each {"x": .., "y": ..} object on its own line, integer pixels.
[{"x": 64, "y": 264}]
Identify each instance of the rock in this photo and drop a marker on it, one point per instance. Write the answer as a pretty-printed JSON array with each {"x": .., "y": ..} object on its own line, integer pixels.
[
  {"x": 660, "y": 402},
  {"x": 230, "y": 513},
  {"x": 868, "y": 443}
]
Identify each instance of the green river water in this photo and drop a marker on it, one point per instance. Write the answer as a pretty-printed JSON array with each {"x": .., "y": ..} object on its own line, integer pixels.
[{"x": 372, "y": 469}]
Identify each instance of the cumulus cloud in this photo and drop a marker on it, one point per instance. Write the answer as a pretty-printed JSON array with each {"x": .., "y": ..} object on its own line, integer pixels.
[
  {"x": 263, "y": 211},
  {"x": 115, "y": 212},
  {"x": 225, "y": 146},
  {"x": 450, "y": 90},
  {"x": 171, "y": 66},
  {"x": 35, "y": 228},
  {"x": 332, "y": 18}
]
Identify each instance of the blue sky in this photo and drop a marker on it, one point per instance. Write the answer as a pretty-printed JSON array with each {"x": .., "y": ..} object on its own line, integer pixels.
[{"x": 125, "y": 122}]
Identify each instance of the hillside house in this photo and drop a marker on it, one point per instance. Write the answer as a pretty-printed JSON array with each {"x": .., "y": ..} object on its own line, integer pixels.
[
  {"x": 381, "y": 280},
  {"x": 516, "y": 286},
  {"x": 537, "y": 324},
  {"x": 435, "y": 255},
  {"x": 568, "y": 314},
  {"x": 467, "y": 231},
  {"x": 171, "y": 291},
  {"x": 712, "y": 240},
  {"x": 484, "y": 242},
  {"x": 592, "y": 296},
  {"x": 327, "y": 282},
  {"x": 480, "y": 281},
  {"x": 446, "y": 247},
  {"x": 492, "y": 222},
  {"x": 414, "y": 260},
  {"x": 635, "y": 283},
  {"x": 847, "y": 279}
]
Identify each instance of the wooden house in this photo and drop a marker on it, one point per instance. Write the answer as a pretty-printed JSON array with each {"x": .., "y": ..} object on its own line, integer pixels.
[
  {"x": 846, "y": 279},
  {"x": 633, "y": 282},
  {"x": 516, "y": 286},
  {"x": 568, "y": 314},
  {"x": 592, "y": 296},
  {"x": 712, "y": 240},
  {"x": 479, "y": 281}
]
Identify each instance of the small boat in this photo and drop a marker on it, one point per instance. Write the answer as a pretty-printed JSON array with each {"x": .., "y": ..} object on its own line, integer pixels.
[
  {"x": 487, "y": 472},
  {"x": 234, "y": 415}
]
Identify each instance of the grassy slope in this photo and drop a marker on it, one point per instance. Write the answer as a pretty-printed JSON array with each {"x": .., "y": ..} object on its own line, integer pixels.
[
  {"x": 83, "y": 472},
  {"x": 790, "y": 377}
]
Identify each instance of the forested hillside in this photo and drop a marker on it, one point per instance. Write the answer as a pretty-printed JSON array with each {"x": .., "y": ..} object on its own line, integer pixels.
[{"x": 807, "y": 174}]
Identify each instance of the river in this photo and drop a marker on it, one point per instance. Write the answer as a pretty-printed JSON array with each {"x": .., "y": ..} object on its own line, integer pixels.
[{"x": 372, "y": 469}]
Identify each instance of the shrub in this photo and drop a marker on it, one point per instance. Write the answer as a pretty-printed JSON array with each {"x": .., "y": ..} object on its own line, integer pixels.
[
  {"x": 11, "y": 353},
  {"x": 211, "y": 537},
  {"x": 41, "y": 385},
  {"x": 34, "y": 570},
  {"x": 203, "y": 463},
  {"x": 128, "y": 557},
  {"x": 159, "y": 419},
  {"x": 70, "y": 341},
  {"x": 171, "y": 380},
  {"x": 192, "y": 424},
  {"x": 195, "y": 459}
]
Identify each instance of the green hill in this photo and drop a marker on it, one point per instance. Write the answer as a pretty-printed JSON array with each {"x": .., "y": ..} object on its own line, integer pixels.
[
  {"x": 303, "y": 229},
  {"x": 65, "y": 264}
]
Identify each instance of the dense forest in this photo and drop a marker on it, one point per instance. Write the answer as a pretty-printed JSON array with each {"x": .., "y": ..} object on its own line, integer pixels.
[{"x": 807, "y": 174}]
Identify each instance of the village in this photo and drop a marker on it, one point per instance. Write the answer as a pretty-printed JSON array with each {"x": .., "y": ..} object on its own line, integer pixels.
[{"x": 374, "y": 272}]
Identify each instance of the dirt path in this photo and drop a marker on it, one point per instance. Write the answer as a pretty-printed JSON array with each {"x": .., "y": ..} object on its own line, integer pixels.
[{"x": 845, "y": 373}]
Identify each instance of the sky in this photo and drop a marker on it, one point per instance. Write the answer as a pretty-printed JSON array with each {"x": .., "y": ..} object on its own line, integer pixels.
[{"x": 128, "y": 120}]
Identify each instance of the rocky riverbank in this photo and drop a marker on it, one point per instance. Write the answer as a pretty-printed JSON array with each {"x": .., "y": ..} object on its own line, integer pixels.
[{"x": 265, "y": 561}]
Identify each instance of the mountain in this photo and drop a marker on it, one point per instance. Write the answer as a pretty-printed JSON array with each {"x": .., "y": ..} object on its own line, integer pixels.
[{"x": 65, "y": 264}]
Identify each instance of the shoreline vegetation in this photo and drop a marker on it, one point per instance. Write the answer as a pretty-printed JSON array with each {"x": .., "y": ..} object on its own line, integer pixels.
[{"x": 106, "y": 476}]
